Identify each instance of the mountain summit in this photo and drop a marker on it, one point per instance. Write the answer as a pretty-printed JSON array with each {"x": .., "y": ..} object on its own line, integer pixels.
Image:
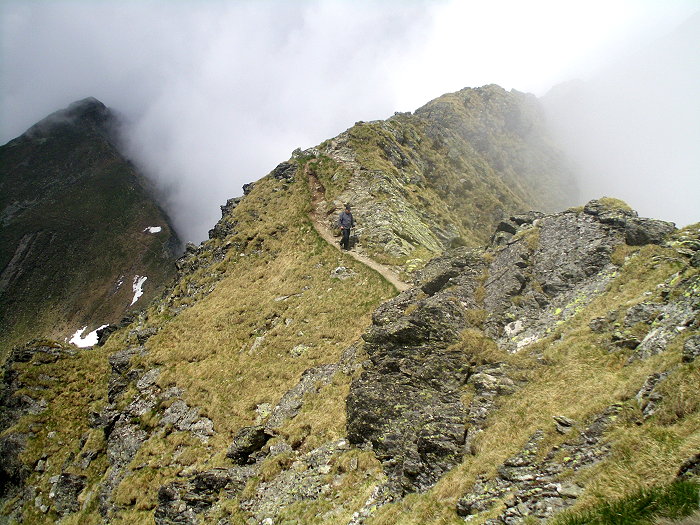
[{"x": 75, "y": 216}]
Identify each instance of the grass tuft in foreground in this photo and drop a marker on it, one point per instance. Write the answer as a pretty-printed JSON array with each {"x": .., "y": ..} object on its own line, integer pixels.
[{"x": 678, "y": 500}]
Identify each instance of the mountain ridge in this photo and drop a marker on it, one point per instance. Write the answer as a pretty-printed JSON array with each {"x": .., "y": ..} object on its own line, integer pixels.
[{"x": 544, "y": 363}]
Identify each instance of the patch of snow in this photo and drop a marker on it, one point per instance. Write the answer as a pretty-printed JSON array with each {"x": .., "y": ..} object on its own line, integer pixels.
[
  {"x": 153, "y": 229},
  {"x": 120, "y": 282},
  {"x": 89, "y": 340},
  {"x": 137, "y": 287}
]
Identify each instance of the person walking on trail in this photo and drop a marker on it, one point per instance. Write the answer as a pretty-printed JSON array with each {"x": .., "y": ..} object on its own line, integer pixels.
[{"x": 346, "y": 222}]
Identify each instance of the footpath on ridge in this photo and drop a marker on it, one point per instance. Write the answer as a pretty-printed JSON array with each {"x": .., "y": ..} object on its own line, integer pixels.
[{"x": 317, "y": 215}]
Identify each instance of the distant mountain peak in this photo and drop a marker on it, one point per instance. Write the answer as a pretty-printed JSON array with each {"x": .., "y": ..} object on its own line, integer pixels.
[{"x": 88, "y": 111}]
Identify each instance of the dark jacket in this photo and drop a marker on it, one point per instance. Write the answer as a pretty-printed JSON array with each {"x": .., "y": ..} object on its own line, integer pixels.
[{"x": 346, "y": 220}]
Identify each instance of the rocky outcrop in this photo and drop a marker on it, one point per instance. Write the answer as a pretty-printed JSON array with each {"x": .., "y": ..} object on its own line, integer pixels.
[
  {"x": 182, "y": 502},
  {"x": 247, "y": 441},
  {"x": 553, "y": 266},
  {"x": 406, "y": 405},
  {"x": 691, "y": 349},
  {"x": 123, "y": 431},
  {"x": 676, "y": 314},
  {"x": 291, "y": 402},
  {"x": 407, "y": 402},
  {"x": 65, "y": 491},
  {"x": 308, "y": 477},
  {"x": 532, "y": 488},
  {"x": 638, "y": 231},
  {"x": 545, "y": 273},
  {"x": 302, "y": 477}
]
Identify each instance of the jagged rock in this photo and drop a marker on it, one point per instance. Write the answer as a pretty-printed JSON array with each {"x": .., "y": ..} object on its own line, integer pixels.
[
  {"x": 290, "y": 404},
  {"x": 545, "y": 274},
  {"x": 307, "y": 478},
  {"x": 406, "y": 404},
  {"x": 148, "y": 379},
  {"x": 44, "y": 352},
  {"x": 390, "y": 310},
  {"x": 285, "y": 171},
  {"x": 615, "y": 215},
  {"x": 599, "y": 324},
  {"x": 691, "y": 349},
  {"x": 15, "y": 403},
  {"x": 690, "y": 469},
  {"x": 124, "y": 441},
  {"x": 641, "y": 313},
  {"x": 247, "y": 188},
  {"x": 230, "y": 205},
  {"x": 676, "y": 315},
  {"x": 640, "y": 231},
  {"x": 526, "y": 218},
  {"x": 13, "y": 471},
  {"x": 124, "y": 438},
  {"x": 65, "y": 493},
  {"x": 226, "y": 225},
  {"x": 247, "y": 441},
  {"x": 500, "y": 239},
  {"x": 569, "y": 490},
  {"x": 183, "y": 502},
  {"x": 142, "y": 334},
  {"x": 507, "y": 227},
  {"x": 489, "y": 381},
  {"x": 695, "y": 260},
  {"x": 437, "y": 274},
  {"x": 180, "y": 415},
  {"x": 564, "y": 424},
  {"x": 625, "y": 340},
  {"x": 121, "y": 361},
  {"x": 647, "y": 397},
  {"x": 528, "y": 486}
]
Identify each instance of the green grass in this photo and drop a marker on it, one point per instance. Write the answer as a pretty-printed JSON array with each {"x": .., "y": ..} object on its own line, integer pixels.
[{"x": 643, "y": 507}]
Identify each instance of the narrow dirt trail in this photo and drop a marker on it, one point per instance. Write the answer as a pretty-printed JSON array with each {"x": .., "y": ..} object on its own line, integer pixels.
[{"x": 318, "y": 198}]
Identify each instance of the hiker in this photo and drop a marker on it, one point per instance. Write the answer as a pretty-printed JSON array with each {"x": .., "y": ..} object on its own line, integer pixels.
[{"x": 346, "y": 222}]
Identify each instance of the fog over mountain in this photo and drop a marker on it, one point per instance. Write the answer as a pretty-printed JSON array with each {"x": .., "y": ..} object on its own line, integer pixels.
[
  {"x": 215, "y": 94},
  {"x": 634, "y": 128}
]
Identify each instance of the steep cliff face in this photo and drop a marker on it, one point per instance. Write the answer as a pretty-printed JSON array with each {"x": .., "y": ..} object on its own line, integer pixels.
[
  {"x": 282, "y": 381},
  {"x": 80, "y": 232}
]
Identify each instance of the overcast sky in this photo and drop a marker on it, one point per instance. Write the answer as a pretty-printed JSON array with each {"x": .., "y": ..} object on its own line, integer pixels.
[{"x": 219, "y": 92}]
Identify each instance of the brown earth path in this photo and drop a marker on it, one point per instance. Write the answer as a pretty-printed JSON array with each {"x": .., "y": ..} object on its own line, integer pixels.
[{"x": 317, "y": 215}]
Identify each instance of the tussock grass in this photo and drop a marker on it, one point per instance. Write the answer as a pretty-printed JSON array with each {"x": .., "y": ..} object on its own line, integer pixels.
[
  {"x": 615, "y": 204},
  {"x": 322, "y": 417},
  {"x": 643, "y": 507}
]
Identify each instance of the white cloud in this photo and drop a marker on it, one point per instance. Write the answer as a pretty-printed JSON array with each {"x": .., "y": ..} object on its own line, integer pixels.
[{"x": 218, "y": 92}]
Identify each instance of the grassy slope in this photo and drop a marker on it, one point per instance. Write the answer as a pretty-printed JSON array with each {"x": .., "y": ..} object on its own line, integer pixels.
[{"x": 207, "y": 348}]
